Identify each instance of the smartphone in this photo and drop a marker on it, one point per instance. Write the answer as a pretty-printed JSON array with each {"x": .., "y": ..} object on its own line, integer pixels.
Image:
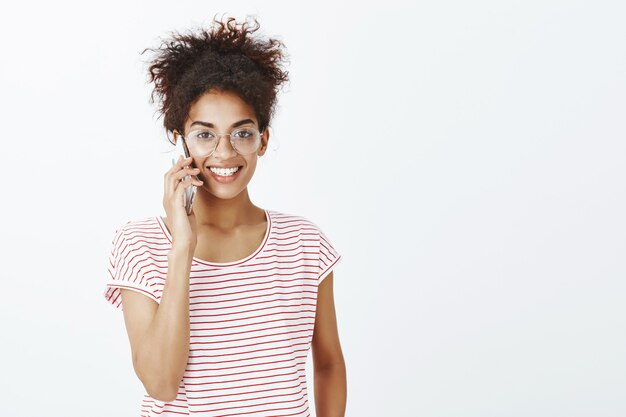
[{"x": 190, "y": 192}]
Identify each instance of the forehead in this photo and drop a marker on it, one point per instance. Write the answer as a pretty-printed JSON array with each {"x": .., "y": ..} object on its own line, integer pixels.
[{"x": 220, "y": 108}]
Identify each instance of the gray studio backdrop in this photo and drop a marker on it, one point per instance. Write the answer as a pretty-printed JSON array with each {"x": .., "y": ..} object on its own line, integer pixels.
[{"x": 465, "y": 158}]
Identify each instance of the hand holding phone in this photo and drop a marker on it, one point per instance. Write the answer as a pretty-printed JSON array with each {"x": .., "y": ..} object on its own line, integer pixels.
[
  {"x": 190, "y": 192},
  {"x": 178, "y": 204}
]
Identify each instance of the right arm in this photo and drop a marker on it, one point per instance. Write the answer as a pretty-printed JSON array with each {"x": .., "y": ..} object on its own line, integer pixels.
[{"x": 159, "y": 333}]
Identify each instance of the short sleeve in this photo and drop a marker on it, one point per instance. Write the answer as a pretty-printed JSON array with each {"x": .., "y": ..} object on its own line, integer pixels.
[
  {"x": 128, "y": 260},
  {"x": 328, "y": 256}
]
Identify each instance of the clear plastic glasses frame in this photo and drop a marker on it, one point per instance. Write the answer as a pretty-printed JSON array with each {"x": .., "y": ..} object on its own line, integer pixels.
[{"x": 190, "y": 142}]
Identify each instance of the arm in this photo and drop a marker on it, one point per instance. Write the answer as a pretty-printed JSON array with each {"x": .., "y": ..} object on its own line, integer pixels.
[
  {"x": 159, "y": 333},
  {"x": 328, "y": 363}
]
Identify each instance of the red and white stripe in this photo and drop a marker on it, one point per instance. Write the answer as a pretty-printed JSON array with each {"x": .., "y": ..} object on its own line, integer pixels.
[{"x": 251, "y": 320}]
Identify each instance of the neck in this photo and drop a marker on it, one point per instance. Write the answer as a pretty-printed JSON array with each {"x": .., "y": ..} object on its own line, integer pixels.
[{"x": 224, "y": 214}]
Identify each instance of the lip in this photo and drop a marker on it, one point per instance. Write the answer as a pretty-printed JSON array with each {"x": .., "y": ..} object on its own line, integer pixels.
[
  {"x": 225, "y": 180},
  {"x": 224, "y": 166}
]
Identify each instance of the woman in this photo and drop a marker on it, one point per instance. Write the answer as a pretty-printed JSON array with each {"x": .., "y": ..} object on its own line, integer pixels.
[{"x": 221, "y": 306}]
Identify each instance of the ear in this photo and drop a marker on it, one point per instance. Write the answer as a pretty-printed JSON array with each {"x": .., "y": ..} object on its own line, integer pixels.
[{"x": 265, "y": 137}]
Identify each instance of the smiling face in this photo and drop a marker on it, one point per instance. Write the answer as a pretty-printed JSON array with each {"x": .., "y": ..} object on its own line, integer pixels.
[{"x": 223, "y": 112}]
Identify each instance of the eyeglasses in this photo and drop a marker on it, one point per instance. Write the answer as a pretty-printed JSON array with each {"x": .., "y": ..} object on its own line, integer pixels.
[{"x": 203, "y": 142}]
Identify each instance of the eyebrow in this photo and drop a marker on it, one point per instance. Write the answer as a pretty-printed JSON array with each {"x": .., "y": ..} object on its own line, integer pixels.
[{"x": 207, "y": 124}]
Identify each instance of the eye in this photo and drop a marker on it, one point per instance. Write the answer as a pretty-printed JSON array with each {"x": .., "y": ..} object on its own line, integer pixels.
[
  {"x": 204, "y": 134},
  {"x": 244, "y": 133}
]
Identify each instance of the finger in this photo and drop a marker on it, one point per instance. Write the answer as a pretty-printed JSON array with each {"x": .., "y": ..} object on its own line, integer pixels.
[
  {"x": 175, "y": 174},
  {"x": 187, "y": 182},
  {"x": 184, "y": 172},
  {"x": 180, "y": 189},
  {"x": 168, "y": 184},
  {"x": 179, "y": 163},
  {"x": 184, "y": 161},
  {"x": 191, "y": 181}
]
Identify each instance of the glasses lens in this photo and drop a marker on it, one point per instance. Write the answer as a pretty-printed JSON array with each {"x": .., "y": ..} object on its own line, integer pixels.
[
  {"x": 246, "y": 140},
  {"x": 201, "y": 142}
]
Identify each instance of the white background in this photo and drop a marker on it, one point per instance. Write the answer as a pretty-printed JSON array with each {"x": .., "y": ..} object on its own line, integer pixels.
[{"x": 465, "y": 158}]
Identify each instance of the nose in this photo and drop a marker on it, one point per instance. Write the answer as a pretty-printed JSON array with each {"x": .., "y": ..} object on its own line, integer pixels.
[{"x": 224, "y": 149}]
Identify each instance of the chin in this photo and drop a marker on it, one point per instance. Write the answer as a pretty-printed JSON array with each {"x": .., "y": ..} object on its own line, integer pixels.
[{"x": 224, "y": 194}]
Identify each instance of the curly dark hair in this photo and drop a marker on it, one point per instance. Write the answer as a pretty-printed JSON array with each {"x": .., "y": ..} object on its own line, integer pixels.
[{"x": 224, "y": 58}]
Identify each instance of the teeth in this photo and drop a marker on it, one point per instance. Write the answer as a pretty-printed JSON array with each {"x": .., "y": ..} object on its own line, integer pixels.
[{"x": 224, "y": 172}]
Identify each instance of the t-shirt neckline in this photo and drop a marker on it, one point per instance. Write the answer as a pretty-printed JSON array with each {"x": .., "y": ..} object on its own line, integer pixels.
[{"x": 268, "y": 228}]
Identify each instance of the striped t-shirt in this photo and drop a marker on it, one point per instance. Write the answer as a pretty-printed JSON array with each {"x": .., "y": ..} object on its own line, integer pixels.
[{"x": 251, "y": 321}]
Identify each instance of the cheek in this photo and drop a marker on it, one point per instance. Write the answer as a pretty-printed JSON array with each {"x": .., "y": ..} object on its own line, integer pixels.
[{"x": 250, "y": 166}]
